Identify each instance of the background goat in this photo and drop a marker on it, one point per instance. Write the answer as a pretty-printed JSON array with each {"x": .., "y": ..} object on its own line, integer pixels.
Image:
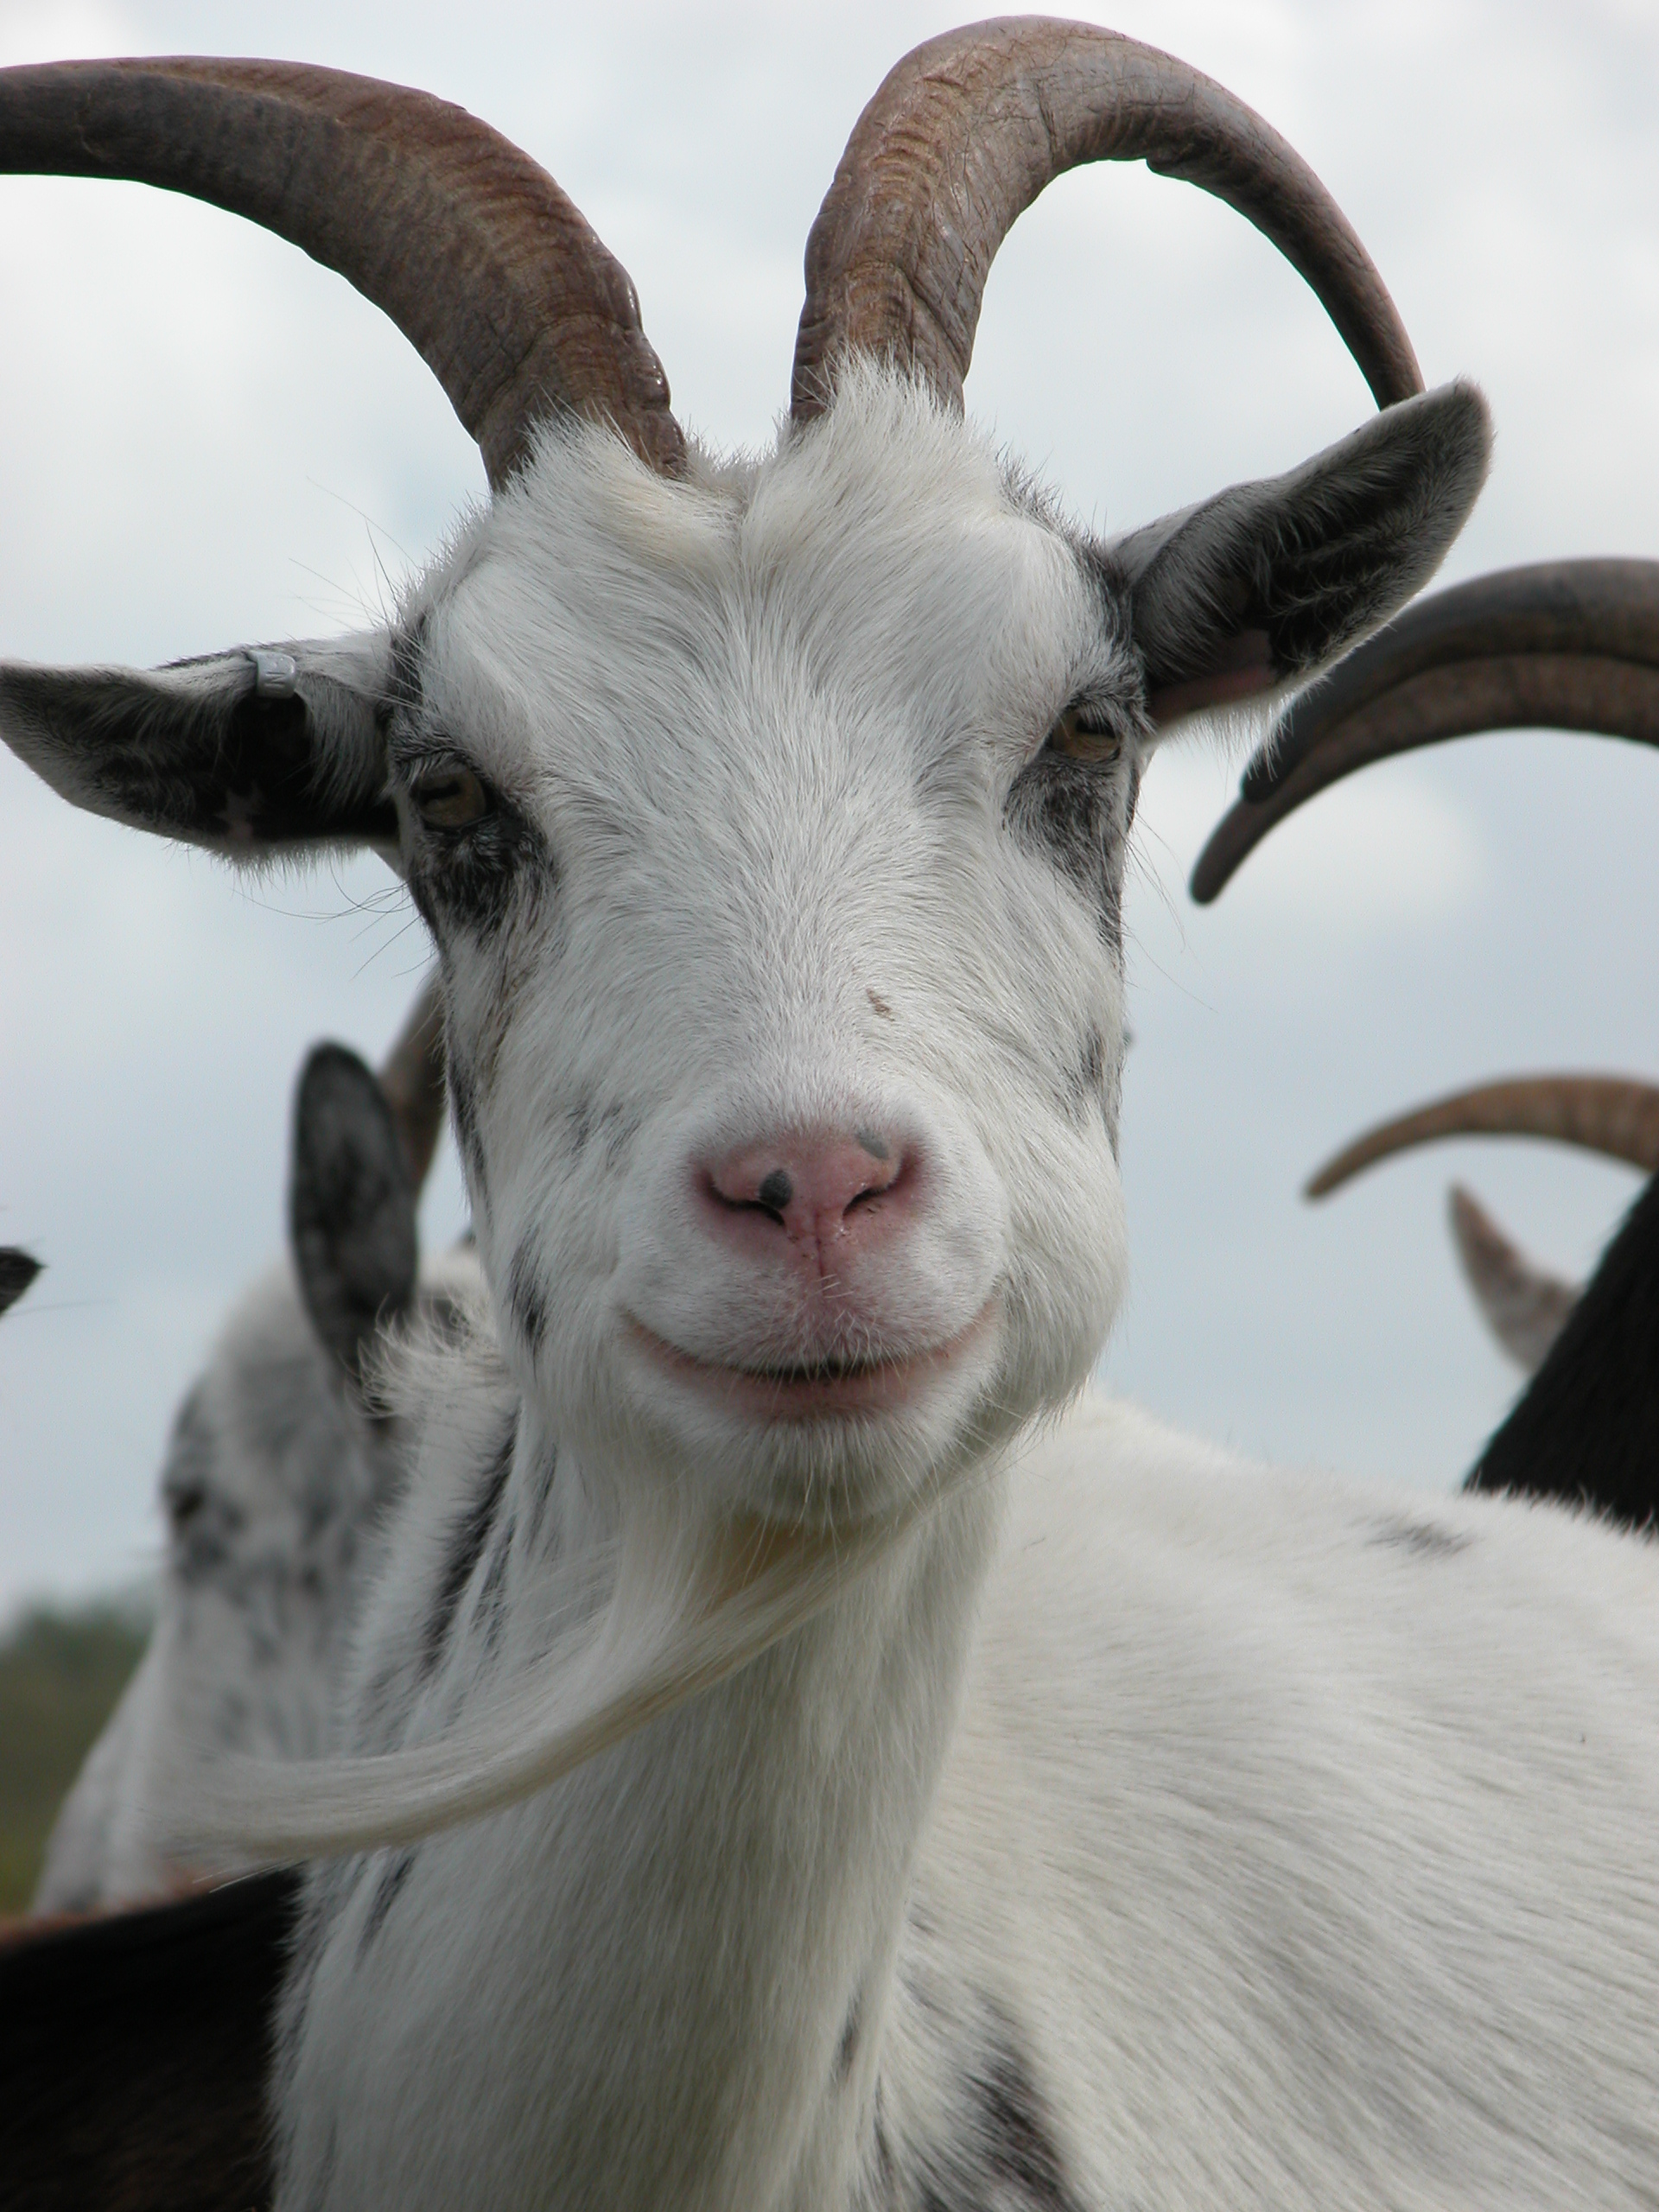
[
  {"x": 1064, "y": 1819},
  {"x": 276, "y": 1476},
  {"x": 1572, "y": 645}
]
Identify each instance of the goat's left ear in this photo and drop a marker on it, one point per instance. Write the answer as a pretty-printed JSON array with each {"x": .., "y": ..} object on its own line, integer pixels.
[
  {"x": 351, "y": 1204},
  {"x": 1261, "y": 585},
  {"x": 250, "y": 753}
]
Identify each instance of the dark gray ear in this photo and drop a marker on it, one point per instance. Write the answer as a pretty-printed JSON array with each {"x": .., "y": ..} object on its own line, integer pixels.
[
  {"x": 1260, "y": 586},
  {"x": 245, "y": 752},
  {"x": 350, "y": 1204},
  {"x": 17, "y": 1270}
]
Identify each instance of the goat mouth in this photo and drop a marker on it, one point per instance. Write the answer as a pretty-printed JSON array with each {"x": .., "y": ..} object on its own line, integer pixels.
[{"x": 815, "y": 1389}]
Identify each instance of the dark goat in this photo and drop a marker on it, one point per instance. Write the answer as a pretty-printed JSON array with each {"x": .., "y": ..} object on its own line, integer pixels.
[
  {"x": 1587, "y": 1427},
  {"x": 1572, "y": 646},
  {"x": 133, "y": 2052}
]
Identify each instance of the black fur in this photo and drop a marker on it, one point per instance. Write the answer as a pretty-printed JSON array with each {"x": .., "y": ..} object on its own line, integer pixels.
[
  {"x": 470, "y": 1535},
  {"x": 222, "y": 766},
  {"x": 202, "y": 1520},
  {"x": 17, "y": 1270},
  {"x": 1421, "y": 1538},
  {"x": 463, "y": 1101},
  {"x": 1307, "y": 562},
  {"x": 351, "y": 1205},
  {"x": 396, "y": 1872},
  {"x": 1587, "y": 1427},
  {"x": 134, "y": 2049},
  {"x": 545, "y": 1477},
  {"x": 526, "y": 1296},
  {"x": 999, "y": 2154},
  {"x": 1078, "y": 813}
]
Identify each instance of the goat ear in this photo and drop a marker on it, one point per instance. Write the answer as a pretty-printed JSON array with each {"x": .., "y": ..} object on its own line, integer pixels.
[
  {"x": 351, "y": 1205},
  {"x": 248, "y": 753},
  {"x": 1262, "y": 585}
]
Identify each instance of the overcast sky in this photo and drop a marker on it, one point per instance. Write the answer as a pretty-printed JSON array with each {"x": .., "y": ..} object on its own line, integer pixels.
[{"x": 205, "y": 439}]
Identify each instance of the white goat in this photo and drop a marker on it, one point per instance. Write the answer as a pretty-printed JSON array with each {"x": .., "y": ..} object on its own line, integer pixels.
[
  {"x": 1055, "y": 1814},
  {"x": 275, "y": 1477}
]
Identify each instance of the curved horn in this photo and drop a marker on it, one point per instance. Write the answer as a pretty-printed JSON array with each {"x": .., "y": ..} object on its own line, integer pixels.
[
  {"x": 1566, "y": 644},
  {"x": 412, "y": 1080},
  {"x": 1612, "y": 1114},
  {"x": 966, "y": 131},
  {"x": 1525, "y": 1308},
  {"x": 466, "y": 244}
]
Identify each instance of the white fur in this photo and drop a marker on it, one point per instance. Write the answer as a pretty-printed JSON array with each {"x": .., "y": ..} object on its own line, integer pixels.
[{"x": 1122, "y": 1825}]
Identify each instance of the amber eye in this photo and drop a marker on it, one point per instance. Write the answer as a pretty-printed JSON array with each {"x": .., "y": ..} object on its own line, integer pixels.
[
  {"x": 450, "y": 797},
  {"x": 1080, "y": 736}
]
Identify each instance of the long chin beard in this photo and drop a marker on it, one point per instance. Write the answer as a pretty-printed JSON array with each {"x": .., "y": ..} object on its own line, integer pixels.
[{"x": 677, "y": 1603}]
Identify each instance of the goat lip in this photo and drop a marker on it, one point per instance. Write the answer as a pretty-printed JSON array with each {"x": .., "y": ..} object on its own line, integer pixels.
[{"x": 806, "y": 1392}]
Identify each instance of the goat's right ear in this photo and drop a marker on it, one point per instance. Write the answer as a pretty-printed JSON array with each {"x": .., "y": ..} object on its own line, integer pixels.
[
  {"x": 352, "y": 1204},
  {"x": 1258, "y": 589},
  {"x": 248, "y": 752}
]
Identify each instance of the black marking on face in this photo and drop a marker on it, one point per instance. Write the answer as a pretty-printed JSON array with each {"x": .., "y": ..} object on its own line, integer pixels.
[
  {"x": 1077, "y": 813},
  {"x": 1421, "y": 1538},
  {"x": 879, "y": 1005},
  {"x": 775, "y": 1191},
  {"x": 873, "y": 1141},
  {"x": 463, "y": 1103},
  {"x": 392, "y": 1878},
  {"x": 467, "y": 1539},
  {"x": 480, "y": 877},
  {"x": 584, "y": 1119},
  {"x": 203, "y": 1523},
  {"x": 1085, "y": 1091},
  {"x": 527, "y": 1295}
]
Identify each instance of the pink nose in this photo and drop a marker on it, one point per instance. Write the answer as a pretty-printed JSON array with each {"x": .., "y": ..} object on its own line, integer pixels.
[{"x": 835, "y": 1194}]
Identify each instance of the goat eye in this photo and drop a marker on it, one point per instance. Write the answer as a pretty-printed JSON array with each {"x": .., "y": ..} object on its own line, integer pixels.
[
  {"x": 1079, "y": 736},
  {"x": 449, "y": 799}
]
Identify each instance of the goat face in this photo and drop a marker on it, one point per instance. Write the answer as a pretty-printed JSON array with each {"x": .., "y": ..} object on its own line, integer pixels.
[
  {"x": 771, "y": 825},
  {"x": 777, "y": 888}
]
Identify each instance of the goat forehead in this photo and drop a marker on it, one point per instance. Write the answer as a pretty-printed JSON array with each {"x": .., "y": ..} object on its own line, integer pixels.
[{"x": 833, "y": 602}]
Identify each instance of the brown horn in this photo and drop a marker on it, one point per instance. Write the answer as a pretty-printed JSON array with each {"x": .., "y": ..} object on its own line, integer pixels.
[
  {"x": 1612, "y": 1114},
  {"x": 966, "y": 131},
  {"x": 412, "y": 1080},
  {"x": 466, "y": 244},
  {"x": 1566, "y": 644}
]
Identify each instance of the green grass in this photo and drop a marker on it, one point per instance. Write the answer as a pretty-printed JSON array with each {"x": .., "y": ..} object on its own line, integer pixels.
[{"x": 61, "y": 1671}]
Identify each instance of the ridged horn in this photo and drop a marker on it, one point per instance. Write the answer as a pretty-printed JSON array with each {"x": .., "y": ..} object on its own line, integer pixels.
[
  {"x": 467, "y": 245},
  {"x": 1565, "y": 644},
  {"x": 1615, "y": 1116},
  {"x": 965, "y": 132},
  {"x": 412, "y": 1080}
]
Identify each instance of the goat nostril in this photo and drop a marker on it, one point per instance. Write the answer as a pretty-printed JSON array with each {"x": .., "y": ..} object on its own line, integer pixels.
[{"x": 775, "y": 1193}]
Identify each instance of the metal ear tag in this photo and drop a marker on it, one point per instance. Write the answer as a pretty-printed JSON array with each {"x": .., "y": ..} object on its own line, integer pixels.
[{"x": 276, "y": 676}]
